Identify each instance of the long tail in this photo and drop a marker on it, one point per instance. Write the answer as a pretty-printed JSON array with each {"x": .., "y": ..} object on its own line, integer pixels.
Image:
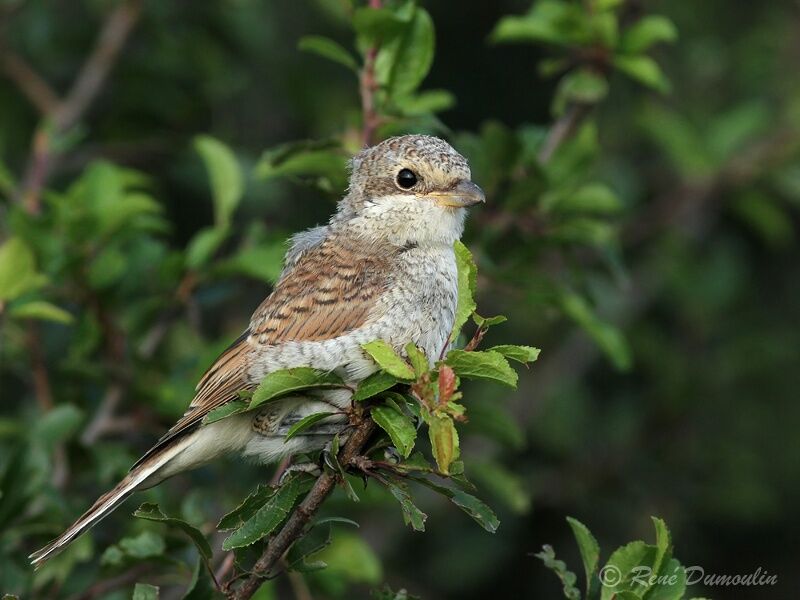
[{"x": 140, "y": 477}]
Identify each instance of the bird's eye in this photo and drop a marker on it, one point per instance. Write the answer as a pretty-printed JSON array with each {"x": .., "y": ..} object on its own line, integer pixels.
[{"x": 406, "y": 179}]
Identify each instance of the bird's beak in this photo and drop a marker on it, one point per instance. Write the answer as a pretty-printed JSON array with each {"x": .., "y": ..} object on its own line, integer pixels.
[{"x": 464, "y": 194}]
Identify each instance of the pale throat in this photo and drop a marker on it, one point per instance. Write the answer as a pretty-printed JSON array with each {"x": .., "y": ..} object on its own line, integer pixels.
[{"x": 402, "y": 220}]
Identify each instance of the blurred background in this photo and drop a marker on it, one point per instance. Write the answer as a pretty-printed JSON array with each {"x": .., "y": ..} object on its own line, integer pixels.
[{"x": 641, "y": 229}]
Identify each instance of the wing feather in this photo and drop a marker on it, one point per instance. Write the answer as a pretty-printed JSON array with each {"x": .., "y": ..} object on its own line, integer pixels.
[{"x": 329, "y": 291}]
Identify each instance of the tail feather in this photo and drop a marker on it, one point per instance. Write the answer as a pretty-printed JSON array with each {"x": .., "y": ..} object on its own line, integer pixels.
[{"x": 140, "y": 477}]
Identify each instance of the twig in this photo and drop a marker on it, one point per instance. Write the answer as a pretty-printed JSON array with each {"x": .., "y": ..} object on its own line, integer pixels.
[
  {"x": 301, "y": 516},
  {"x": 34, "y": 87},
  {"x": 563, "y": 129},
  {"x": 368, "y": 87},
  {"x": 61, "y": 115}
]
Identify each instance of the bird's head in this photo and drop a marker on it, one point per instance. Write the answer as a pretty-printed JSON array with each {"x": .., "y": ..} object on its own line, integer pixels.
[{"x": 412, "y": 188}]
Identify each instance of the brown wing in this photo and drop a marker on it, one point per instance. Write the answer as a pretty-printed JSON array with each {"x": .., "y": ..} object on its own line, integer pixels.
[{"x": 329, "y": 292}]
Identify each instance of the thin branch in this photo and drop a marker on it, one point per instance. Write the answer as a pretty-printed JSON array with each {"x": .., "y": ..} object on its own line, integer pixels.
[
  {"x": 563, "y": 129},
  {"x": 29, "y": 82},
  {"x": 64, "y": 114},
  {"x": 302, "y": 515},
  {"x": 368, "y": 87}
]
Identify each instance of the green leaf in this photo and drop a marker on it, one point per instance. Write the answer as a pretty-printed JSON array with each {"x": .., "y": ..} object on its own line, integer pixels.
[
  {"x": 476, "y": 509},
  {"x": 378, "y": 382},
  {"x": 425, "y": 103},
  {"x": 270, "y": 515},
  {"x": 467, "y": 283},
  {"x": 622, "y": 565},
  {"x": 487, "y": 322},
  {"x": 404, "y": 61},
  {"x": 226, "y": 410},
  {"x": 488, "y": 364},
  {"x": 417, "y": 358},
  {"x": 58, "y": 425},
  {"x": 329, "y": 49},
  {"x": 568, "y": 578},
  {"x": 151, "y": 512},
  {"x": 399, "y": 427},
  {"x": 286, "y": 381},
  {"x": 522, "y": 354},
  {"x": 411, "y": 514},
  {"x": 649, "y": 30},
  {"x": 503, "y": 484},
  {"x": 584, "y": 86},
  {"x": 375, "y": 26},
  {"x": 591, "y": 198},
  {"x": 350, "y": 558},
  {"x": 610, "y": 339},
  {"x": 305, "y": 423},
  {"x": 17, "y": 270},
  {"x": 644, "y": 70},
  {"x": 226, "y": 177},
  {"x": 444, "y": 440},
  {"x": 663, "y": 543},
  {"x": 204, "y": 244},
  {"x": 589, "y": 549},
  {"x": 145, "y": 545},
  {"x": 263, "y": 262},
  {"x": 388, "y": 360},
  {"x": 323, "y": 160},
  {"x": 43, "y": 311},
  {"x": 145, "y": 591},
  {"x": 247, "y": 508},
  {"x": 548, "y": 21}
]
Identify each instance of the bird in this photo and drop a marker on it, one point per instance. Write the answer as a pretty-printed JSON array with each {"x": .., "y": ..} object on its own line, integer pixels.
[{"x": 382, "y": 268}]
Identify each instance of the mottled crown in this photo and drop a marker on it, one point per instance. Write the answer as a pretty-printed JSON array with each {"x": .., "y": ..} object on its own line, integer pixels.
[{"x": 374, "y": 170}]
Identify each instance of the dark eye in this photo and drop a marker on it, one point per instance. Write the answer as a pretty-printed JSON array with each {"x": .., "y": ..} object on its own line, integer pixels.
[{"x": 406, "y": 179}]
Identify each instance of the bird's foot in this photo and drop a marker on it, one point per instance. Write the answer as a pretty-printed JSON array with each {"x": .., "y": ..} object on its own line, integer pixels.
[{"x": 305, "y": 467}]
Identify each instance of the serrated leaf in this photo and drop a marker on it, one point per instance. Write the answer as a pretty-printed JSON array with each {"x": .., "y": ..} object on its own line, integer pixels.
[
  {"x": 624, "y": 561},
  {"x": 233, "y": 407},
  {"x": 388, "y": 360},
  {"x": 467, "y": 283},
  {"x": 247, "y": 508},
  {"x": 305, "y": 423},
  {"x": 270, "y": 515},
  {"x": 225, "y": 177},
  {"x": 475, "y": 508},
  {"x": 559, "y": 567},
  {"x": 589, "y": 549},
  {"x": 378, "y": 382},
  {"x": 649, "y": 30},
  {"x": 151, "y": 512},
  {"x": 41, "y": 310},
  {"x": 444, "y": 440},
  {"x": 487, "y": 364},
  {"x": 286, "y": 381},
  {"x": 644, "y": 70},
  {"x": 145, "y": 591},
  {"x": 663, "y": 543},
  {"x": 399, "y": 427},
  {"x": 17, "y": 270},
  {"x": 329, "y": 49},
  {"x": 521, "y": 354},
  {"x": 411, "y": 514}
]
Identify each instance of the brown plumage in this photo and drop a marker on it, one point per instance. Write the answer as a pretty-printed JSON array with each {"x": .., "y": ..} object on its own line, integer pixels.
[{"x": 382, "y": 268}]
